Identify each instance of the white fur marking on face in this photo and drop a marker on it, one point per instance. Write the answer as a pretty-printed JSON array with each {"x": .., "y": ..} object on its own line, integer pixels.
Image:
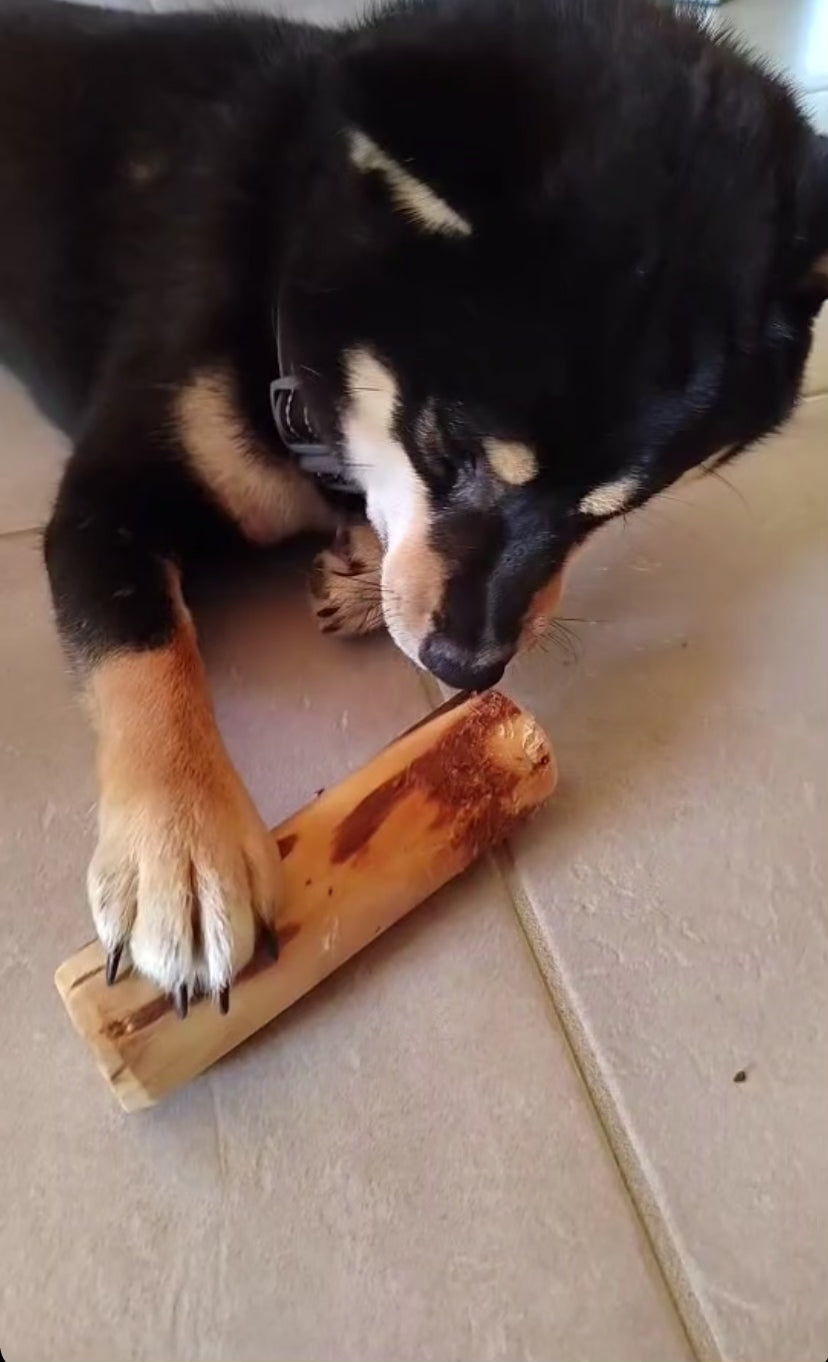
[
  {"x": 378, "y": 460},
  {"x": 395, "y": 496},
  {"x": 414, "y": 198},
  {"x": 611, "y": 498},
  {"x": 513, "y": 462},
  {"x": 268, "y": 500}
]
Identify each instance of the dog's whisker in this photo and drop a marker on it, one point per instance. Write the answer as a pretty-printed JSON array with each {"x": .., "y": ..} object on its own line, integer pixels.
[
  {"x": 557, "y": 636},
  {"x": 720, "y": 477}
]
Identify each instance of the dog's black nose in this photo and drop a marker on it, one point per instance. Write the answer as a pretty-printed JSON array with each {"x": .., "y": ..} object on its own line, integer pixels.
[{"x": 461, "y": 667}]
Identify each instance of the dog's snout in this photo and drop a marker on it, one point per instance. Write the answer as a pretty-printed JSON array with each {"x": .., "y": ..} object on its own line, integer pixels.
[{"x": 462, "y": 667}]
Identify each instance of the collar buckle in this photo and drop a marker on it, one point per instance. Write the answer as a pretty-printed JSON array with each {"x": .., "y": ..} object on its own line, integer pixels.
[{"x": 317, "y": 460}]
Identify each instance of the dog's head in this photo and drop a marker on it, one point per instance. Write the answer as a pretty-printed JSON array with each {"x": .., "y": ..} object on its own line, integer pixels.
[{"x": 561, "y": 256}]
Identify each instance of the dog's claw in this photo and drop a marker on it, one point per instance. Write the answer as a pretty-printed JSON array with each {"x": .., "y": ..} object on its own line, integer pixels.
[
  {"x": 181, "y": 1001},
  {"x": 113, "y": 960},
  {"x": 224, "y": 1000}
]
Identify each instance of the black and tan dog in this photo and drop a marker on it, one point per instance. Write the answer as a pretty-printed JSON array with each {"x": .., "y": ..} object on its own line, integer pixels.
[{"x": 521, "y": 264}]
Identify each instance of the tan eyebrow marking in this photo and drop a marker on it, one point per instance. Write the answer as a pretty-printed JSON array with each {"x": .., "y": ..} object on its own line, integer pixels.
[
  {"x": 412, "y": 196},
  {"x": 513, "y": 462},
  {"x": 610, "y": 498}
]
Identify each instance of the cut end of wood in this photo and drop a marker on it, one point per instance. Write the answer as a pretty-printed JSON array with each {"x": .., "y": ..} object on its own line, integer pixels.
[{"x": 356, "y": 860}]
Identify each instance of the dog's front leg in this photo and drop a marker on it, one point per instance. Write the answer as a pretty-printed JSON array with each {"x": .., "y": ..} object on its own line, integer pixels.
[{"x": 184, "y": 871}]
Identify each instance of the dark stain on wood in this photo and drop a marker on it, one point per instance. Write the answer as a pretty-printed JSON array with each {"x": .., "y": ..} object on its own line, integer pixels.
[
  {"x": 466, "y": 788},
  {"x": 138, "y": 1020},
  {"x": 360, "y": 825},
  {"x": 153, "y": 1011},
  {"x": 82, "y": 978},
  {"x": 286, "y": 844},
  {"x": 262, "y": 958}
]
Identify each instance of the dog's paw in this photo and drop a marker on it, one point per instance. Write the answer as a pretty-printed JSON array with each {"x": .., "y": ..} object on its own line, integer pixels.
[
  {"x": 345, "y": 583},
  {"x": 185, "y": 873}
]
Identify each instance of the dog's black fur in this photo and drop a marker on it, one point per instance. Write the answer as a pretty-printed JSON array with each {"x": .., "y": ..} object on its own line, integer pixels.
[{"x": 599, "y": 270}]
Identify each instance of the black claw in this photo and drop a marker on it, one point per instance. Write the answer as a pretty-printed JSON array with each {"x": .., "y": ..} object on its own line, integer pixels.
[
  {"x": 224, "y": 1000},
  {"x": 113, "y": 960},
  {"x": 272, "y": 942},
  {"x": 181, "y": 1002}
]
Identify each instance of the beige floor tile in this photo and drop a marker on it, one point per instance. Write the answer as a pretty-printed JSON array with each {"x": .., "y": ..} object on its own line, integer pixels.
[
  {"x": 677, "y": 889},
  {"x": 316, "y": 11},
  {"x": 31, "y": 453},
  {"x": 816, "y": 377},
  {"x": 792, "y": 33},
  {"x": 816, "y": 104},
  {"x": 407, "y": 1166}
]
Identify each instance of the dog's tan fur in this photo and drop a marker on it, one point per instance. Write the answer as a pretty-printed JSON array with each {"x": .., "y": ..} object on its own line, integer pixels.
[
  {"x": 610, "y": 497},
  {"x": 269, "y": 502},
  {"x": 414, "y": 585},
  {"x": 184, "y": 866},
  {"x": 514, "y": 463},
  {"x": 345, "y": 584},
  {"x": 415, "y": 199},
  {"x": 542, "y": 609}
]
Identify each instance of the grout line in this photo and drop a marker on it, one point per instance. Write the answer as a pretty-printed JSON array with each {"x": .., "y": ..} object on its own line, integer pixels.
[
  {"x": 638, "y": 1177},
  {"x": 639, "y": 1182},
  {"x": 22, "y": 534},
  {"x": 431, "y": 687}
]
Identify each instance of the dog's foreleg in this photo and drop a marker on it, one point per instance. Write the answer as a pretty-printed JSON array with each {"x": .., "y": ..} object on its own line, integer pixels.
[{"x": 184, "y": 869}]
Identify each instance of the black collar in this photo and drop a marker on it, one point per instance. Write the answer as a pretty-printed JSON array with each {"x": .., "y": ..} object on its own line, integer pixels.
[{"x": 318, "y": 460}]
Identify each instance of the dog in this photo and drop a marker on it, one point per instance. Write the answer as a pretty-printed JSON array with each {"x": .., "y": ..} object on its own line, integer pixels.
[{"x": 453, "y": 286}]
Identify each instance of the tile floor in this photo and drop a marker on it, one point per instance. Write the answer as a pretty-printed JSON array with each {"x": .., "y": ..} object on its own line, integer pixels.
[{"x": 511, "y": 1130}]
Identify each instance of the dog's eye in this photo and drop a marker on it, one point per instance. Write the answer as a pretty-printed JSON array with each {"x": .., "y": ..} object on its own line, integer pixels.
[{"x": 437, "y": 449}]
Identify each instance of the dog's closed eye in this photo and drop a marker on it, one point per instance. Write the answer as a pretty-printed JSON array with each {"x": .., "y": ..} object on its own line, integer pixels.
[{"x": 443, "y": 457}]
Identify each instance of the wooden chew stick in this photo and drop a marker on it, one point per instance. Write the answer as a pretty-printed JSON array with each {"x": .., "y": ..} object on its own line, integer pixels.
[{"x": 356, "y": 860}]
